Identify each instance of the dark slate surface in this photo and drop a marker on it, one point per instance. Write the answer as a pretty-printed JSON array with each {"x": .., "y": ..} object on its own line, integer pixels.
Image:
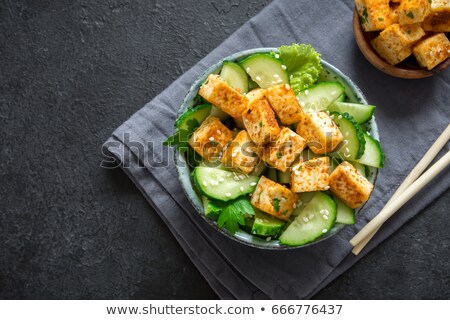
[{"x": 71, "y": 72}]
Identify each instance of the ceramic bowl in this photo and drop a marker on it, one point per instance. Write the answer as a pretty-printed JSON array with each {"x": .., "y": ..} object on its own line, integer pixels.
[
  {"x": 329, "y": 73},
  {"x": 408, "y": 69}
]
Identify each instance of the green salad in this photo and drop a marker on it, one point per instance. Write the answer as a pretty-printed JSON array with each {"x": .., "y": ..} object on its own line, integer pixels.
[{"x": 276, "y": 152}]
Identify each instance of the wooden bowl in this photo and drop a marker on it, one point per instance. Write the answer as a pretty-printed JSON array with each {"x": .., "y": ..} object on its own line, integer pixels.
[{"x": 408, "y": 69}]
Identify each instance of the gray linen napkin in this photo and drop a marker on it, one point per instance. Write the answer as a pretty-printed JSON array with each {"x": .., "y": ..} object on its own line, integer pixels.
[{"x": 411, "y": 114}]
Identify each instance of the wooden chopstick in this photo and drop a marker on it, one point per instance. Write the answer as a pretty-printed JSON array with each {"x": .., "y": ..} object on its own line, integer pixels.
[{"x": 413, "y": 175}]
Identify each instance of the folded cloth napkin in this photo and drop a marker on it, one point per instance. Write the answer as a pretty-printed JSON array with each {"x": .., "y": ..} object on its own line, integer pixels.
[{"x": 410, "y": 115}]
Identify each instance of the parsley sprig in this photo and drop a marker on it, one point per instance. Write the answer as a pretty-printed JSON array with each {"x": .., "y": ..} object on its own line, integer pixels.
[{"x": 234, "y": 214}]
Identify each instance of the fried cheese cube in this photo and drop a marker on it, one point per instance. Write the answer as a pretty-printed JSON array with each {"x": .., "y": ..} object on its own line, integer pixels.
[
  {"x": 259, "y": 118},
  {"x": 210, "y": 138},
  {"x": 241, "y": 154},
  {"x": 432, "y": 51},
  {"x": 374, "y": 15},
  {"x": 394, "y": 43},
  {"x": 220, "y": 94},
  {"x": 349, "y": 185},
  {"x": 438, "y": 20},
  {"x": 413, "y": 11},
  {"x": 320, "y": 132},
  {"x": 311, "y": 175},
  {"x": 282, "y": 152},
  {"x": 274, "y": 198},
  {"x": 284, "y": 102}
]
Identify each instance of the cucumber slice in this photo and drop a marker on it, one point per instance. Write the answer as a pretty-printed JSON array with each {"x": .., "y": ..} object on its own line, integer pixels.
[
  {"x": 360, "y": 112},
  {"x": 284, "y": 177},
  {"x": 221, "y": 184},
  {"x": 303, "y": 199},
  {"x": 265, "y": 70},
  {"x": 316, "y": 219},
  {"x": 266, "y": 225},
  {"x": 216, "y": 112},
  {"x": 318, "y": 97},
  {"x": 373, "y": 154},
  {"x": 272, "y": 174},
  {"x": 341, "y": 98},
  {"x": 234, "y": 76},
  {"x": 209, "y": 209},
  {"x": 196, "y": 114},
  {"x": 360, "y": 167},
  {"x": 345, "y": 214},
  {"x": 354, "y": 147}
]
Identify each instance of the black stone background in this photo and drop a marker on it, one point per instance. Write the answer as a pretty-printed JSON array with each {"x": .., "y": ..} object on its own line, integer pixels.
[{"x": 71, "y": 72}]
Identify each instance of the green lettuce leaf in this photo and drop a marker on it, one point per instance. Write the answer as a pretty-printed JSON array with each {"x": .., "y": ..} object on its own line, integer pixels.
[{"x": 303, "y": 65}]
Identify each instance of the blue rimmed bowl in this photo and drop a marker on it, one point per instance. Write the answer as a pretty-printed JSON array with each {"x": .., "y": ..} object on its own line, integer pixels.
[{"x": 329, "y": 73}]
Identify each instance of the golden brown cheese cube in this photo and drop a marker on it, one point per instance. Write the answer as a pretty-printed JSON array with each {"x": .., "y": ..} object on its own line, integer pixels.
[
  {"x": 310, "y": 175},
  {"x": 274, "y": 198},
  {"x": 394, "y": 43},
  {"x": 259, "y": 120},
  {"x": 282, "y": 152},
  {"x": 220, "y": 94},
  {"x": 349, "y": 185},
  {"x": 210, "y": 138},
  {"x": 321, "y": 133},
  {"x": 241, "y": 154},
  {"x": 413, "y": 11},
  {"x": 432, "y": 51},
  {"x": 284, "y": 102},
  {"x": 438, "y": 20},
  {"x": 373, "y": 14}
]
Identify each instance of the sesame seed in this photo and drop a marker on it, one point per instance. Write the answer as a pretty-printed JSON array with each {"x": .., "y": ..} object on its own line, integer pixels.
[
  {"x": 276, "y": 75},
  {"x": 221, "y": 179},
  {"x": 292, "y": 134},
  {"x": 236, "y": 178},
  {"x": 333, "y": 93},
  {"x": 241, "y": 188},
  {"x": 322, "y": 211},
  {"x": 219, "y": 132},
  {"x": 347, "y": 133},
  {"x": 253, "y": 184},
  {"x": 326, "y": 212},
  {"x": 345, "y": 142},
  {"x": 305, "y": 219},
  {"x": 294, "y": 206},
  {"x": 283, "y": 200},
  {"x": 324, "y": 231},
  {"x": 283, "y": 67},
  {"x": 297, "y": 173},
  {"x": 277, "y": 56},
  {"x": 228, "y": 194},
  {"x": 247, "y": 69},
  {"x": 311, "y": 216},
  {"x": 234, "y": 154},
  {"x": 287, "y": 86},
  {"x": 211, "y": 138},
  {"x": 258, "y": 78},
  {"x": 325, "y": 217},
  {"x": 347, "y": 155},
  {"x": 291, "y": 77},
  {"x": 327, "y": 188},
  {"x": 241, "y": 176},
  {"x": 332, "y": 116},
  {"x": 268, "y": 238},
  {"x": 311, "y": 110},
  {"x": 347, "y": 149},
  {"x": 205, "y": 183},
  {"x": 448, "y": 51},
  {"x": 339, "y": 117},
  {"x": 302, "y": 104},
  {"x": 327, "y": 112},
  {"x": 274, "y": 82},
  {"x": 306, "y": 92}
]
